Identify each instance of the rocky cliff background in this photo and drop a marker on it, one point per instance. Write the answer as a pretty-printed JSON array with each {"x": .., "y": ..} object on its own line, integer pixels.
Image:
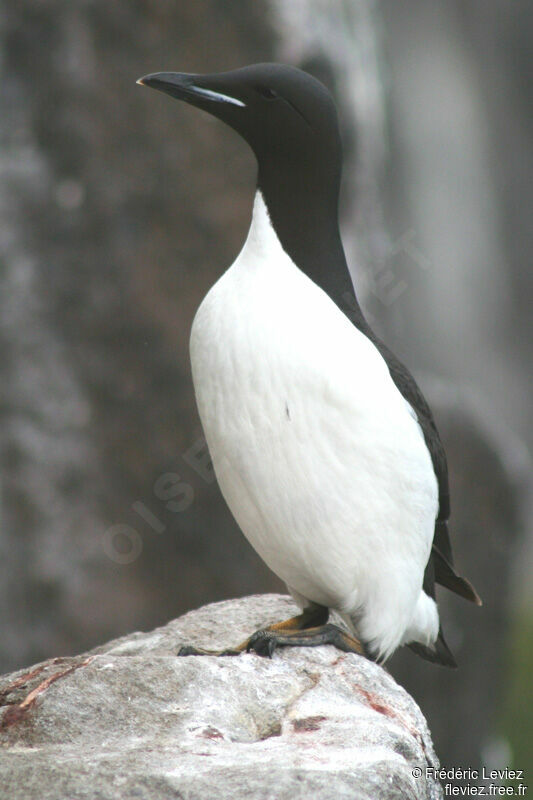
[{"x": 119, "y": 208}]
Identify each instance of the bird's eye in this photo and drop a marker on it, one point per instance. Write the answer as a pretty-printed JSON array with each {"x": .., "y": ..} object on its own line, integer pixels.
[{"x": 268, "y": 94}]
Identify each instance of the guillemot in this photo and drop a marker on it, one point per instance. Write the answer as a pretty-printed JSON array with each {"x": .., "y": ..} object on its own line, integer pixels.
[{"x": 323, "y": 445}]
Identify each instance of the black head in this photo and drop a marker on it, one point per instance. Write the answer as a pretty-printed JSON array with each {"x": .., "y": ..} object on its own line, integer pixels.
[
  {"x": 289, "y": 120},
  {"x": 287, "y": 117}
]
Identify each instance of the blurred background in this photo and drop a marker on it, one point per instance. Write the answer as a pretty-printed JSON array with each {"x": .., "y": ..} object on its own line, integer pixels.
[{"x": 120, "y": 207}]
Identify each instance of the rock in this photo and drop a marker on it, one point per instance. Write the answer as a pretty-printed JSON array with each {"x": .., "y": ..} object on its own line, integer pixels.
[{"x": 132, "y": 720}]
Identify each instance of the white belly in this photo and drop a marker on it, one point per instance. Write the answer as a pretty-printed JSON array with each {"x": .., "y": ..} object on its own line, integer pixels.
[{"x": 318, "y": 456}]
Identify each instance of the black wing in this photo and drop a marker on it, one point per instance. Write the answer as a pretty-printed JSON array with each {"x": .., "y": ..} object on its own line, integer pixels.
[{"x": 440, "y": 568}]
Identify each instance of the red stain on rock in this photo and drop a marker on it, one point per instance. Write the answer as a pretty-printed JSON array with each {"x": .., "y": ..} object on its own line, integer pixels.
[
  {"x": 22, "y": 680},
  {"x": 211, "y": 733},
  {"x": 307, "y": 724},
  {"x": 374, "y": 702},
  {"x": 16, "y": 712}
]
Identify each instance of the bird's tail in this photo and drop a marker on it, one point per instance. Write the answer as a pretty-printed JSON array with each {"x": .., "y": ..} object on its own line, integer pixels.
[
  {"x": 438, "y": 653},
  {"x": 446, "y": 576}
]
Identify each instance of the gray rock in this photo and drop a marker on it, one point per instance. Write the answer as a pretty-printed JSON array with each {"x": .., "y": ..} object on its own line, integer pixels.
[{"x": 132, "y": 720}]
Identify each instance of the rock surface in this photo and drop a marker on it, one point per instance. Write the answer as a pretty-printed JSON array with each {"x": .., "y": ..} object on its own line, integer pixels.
[{"x": 132, "y": 720}]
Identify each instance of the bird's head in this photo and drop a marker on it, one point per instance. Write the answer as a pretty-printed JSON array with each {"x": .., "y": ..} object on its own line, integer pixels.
[{"x": 287, "y": 117}]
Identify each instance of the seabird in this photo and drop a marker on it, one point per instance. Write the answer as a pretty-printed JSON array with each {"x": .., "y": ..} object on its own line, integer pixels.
[{"x": 323, "y": 445}]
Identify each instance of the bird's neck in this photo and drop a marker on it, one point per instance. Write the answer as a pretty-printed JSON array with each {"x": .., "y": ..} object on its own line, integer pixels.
[{"x": 304, "y": 215}]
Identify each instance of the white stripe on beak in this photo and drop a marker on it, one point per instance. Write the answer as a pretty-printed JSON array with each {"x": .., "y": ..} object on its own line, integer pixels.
[{"x": 221, "y": 98}]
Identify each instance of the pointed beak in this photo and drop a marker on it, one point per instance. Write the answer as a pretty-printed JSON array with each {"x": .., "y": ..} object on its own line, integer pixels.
[{"x": 193, "y": 89}]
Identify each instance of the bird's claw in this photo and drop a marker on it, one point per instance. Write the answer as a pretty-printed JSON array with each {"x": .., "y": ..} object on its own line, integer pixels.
[
  {"x": 188, "y": 650},
  {"x": 263, "y": 643}
]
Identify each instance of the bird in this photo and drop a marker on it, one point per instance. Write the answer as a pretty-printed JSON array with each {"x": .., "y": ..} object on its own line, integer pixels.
[{"x": 323, "y": 445}]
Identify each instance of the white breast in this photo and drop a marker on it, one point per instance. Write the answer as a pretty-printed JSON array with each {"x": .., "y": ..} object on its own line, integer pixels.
[{"x": 316, "y": 452}]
